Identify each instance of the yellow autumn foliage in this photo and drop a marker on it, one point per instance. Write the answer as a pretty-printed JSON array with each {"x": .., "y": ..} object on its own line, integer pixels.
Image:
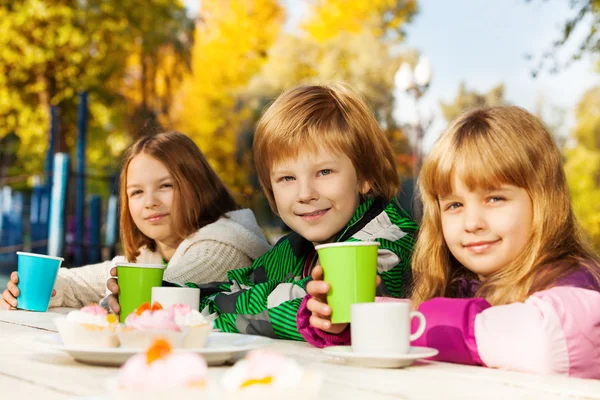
[
  {"x": 230, "y": 45},
  {"x": 582, "y": 165},
  {"x": 383, "y": 18}
]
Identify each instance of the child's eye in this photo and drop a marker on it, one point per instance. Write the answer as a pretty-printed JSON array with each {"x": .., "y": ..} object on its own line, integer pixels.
[
  {"x": 166, "y": 185},
  {"x": 452, "y": 206},
  {"x": 496, "y": 199},
  {"x": 324, "y": 172},
  {"x": 135, "y": 193},
  {"x": 286, "y": 179}
]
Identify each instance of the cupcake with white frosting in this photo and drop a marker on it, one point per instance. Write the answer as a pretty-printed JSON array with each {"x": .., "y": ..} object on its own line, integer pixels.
[
  {"x": 198, "y": 326},
  {"x": 92, "y": 326},
  {"x": 266, "y": 374},
  {"x": 147, "y": 323}
]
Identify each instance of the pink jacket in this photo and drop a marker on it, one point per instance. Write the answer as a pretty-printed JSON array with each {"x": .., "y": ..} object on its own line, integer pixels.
[{"x": 555, "y": 331}]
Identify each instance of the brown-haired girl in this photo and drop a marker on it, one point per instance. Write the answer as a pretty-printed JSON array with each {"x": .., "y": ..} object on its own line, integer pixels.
[{"x": 174, "y": 210}]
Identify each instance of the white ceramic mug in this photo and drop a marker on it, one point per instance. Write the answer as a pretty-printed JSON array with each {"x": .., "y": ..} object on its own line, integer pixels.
[
  {"x": 383, "y": 328},
  {"x": 167, "y": 296}
]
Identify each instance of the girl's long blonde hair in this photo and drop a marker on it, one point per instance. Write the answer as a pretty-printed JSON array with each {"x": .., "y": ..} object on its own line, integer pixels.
[{"x": 486, "y": 148}]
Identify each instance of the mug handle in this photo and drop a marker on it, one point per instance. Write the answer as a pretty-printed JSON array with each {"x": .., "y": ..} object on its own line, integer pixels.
[{"x": 422, "y": 325}]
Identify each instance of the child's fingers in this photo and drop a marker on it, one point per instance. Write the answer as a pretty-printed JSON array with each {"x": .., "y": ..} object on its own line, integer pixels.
[
  {"x": 53, "y": 292},
  {"x": 14, "y": 277},
  {"x": 13, "y": 289},
  {"x": 113, "y": 303},
  {"x": 378, "y": 280},
  {"x": 318, "y": 289},
  {"x": 320, "y": 323},
  {"x": 113, "y": 271},
  {"x": 9, "y": 299},
  {"x": 317, "y": 307},
  {"x": 5, "y": 305},
  {"x": 317, "y": 273},
  {"x": 113, "y": 286},
  {"x": 326, "y": 325}
]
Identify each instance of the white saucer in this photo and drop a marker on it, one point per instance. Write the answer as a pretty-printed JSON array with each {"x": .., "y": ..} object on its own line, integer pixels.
[
  {"x": 379, "y": 360},
  {"x": 221, "y": 348}
]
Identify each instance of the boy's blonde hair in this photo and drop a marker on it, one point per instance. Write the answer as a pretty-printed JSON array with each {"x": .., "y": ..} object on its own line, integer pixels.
[
  {"x": 486, "y": 148},
  {"x": 333, "y": 116}
]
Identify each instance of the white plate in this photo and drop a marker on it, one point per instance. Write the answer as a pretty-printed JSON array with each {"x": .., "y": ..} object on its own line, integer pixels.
[
  {"x": 379, "y": 360},
  {"x": 221, "y": 348}
]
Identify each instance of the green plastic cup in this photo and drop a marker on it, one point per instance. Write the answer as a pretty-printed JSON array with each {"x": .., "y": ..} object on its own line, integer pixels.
[
  {"x": 351, "y": 270},
  {"x": 135, "y": 285}
]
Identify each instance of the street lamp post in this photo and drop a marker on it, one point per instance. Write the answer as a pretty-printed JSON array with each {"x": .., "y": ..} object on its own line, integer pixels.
[{"x": 415, "y": 82}]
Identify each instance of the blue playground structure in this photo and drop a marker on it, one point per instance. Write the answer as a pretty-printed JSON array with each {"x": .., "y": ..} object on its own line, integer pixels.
[{"x": 37, "y": 222}]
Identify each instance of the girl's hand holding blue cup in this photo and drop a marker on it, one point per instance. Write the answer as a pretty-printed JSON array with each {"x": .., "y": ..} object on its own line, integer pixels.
[
  {"x": 38, "y": 274},
  {"x": 9, "y": 296}
]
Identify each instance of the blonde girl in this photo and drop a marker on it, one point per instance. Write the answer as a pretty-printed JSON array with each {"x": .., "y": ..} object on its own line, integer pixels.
[{"x": 502, "y": 272}]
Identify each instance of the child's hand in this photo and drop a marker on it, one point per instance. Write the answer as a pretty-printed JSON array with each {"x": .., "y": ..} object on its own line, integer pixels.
[
  {"x": 9, "y": 296},
  {"x": 321, "y": 312},
  {"x": 113, "y": 286},
  {"x": 317, "y": 305}
]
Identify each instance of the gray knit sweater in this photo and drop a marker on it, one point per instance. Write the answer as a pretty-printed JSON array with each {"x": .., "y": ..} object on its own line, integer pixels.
[{"x": 231, "y": 242}]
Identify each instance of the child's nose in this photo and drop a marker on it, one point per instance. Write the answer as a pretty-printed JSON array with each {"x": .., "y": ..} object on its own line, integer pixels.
[
  {"x": 150, "y": 200},
  {"x": 307, "y": 192},
  {"x": 474, "y": 220}
]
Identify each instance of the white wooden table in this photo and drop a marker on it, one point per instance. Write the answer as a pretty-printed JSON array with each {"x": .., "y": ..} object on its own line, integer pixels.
[{"x": 29, "y": 369}]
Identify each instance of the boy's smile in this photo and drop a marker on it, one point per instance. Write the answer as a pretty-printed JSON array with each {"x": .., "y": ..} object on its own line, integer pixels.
[
  {"x": 311, "y": 216},
  {"x": 317, "y": 194}
]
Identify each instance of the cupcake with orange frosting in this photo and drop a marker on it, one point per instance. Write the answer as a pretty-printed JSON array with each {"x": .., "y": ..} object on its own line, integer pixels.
[
  {"x": 161, "y": 374},
  {"x": 147, "y": 323},
  {"x": 266, "y": 374},
  {"x": 198, "y": 326},
  {"x": 91, "y": 326}
]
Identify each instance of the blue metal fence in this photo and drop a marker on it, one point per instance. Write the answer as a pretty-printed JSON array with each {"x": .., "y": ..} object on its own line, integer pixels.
[{"x": 37, "y": 221}]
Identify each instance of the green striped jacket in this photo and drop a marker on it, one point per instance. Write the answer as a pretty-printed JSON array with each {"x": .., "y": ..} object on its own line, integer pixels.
[{"x": 263, "y": 299}]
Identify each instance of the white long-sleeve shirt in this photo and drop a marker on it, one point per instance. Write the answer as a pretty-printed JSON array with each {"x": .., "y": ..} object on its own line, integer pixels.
[{"x": 231, "y": 242}]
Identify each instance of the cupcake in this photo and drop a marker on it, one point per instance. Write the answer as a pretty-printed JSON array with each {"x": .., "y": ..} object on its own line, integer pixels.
[
  {"x": 198, "y": 326},
  {"x": 265, "y": 374},
  {"x": 159, "y": 373},
  {"x": 92, "y": 326},
  {"x": 146, "y": 324}
]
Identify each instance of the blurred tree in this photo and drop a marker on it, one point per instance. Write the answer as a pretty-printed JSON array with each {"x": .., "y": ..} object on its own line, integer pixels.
[
  {"x": 52, "y": 49},
  {"x": 383, "y": 18},
  {"x": 582, "y": 164},
  {"x": 468, "y": 99},
  {"x": 589, "y": 43},
  {"x": 231, "y": 44},
  {"x": 359, "y": 59}
]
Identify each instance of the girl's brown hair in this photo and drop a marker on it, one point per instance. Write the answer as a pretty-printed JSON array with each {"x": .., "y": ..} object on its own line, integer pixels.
[
  {"x": 486, "y": 148},
  {"x": 199, "y": 198},
  {"x": 335, "y": 117}
]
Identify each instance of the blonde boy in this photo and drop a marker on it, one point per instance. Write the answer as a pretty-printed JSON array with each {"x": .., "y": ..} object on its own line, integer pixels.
[{"x": 328, "y": 171}]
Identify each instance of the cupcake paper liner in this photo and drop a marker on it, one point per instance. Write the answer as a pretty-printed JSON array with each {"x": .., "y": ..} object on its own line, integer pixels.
[{"x": 74, "y": 334}]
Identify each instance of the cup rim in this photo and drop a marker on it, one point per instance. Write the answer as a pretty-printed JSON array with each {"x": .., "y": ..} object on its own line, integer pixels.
[
  {"x": 135, "y": 265},
  {"x": 346, "y": 244},
  {"x": 159, "y": 288},
  {"x": 381, "y": 304},
  {"x": 24, "y": 253}
]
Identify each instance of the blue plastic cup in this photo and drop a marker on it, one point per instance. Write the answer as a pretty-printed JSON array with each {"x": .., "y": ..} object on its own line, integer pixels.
[{"x": 37, "y": 275}]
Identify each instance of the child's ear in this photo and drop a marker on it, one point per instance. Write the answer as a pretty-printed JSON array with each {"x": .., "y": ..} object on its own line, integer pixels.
[{"x": 364, "y": 188}]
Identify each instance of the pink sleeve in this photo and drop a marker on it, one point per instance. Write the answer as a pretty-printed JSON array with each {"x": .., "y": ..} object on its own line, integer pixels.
[
  {"x": 556, "y": 331},
  {"x": 450, "y": 325},
  {"x": 315, "y": 336}
]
